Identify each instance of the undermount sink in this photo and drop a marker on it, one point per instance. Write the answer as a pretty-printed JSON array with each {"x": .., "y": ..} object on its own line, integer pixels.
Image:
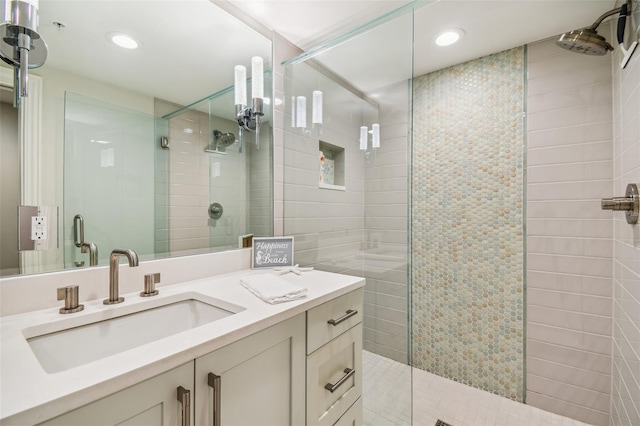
[{"x": 76, "y": 345}]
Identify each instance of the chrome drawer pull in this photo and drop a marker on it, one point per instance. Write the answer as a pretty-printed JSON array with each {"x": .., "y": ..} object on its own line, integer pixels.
[
  {"x": 332, "y": 388},
  {"x": 346, "y": 316},
  {"x": 184, "y": 396},
  {"x": 215, "y": 382}
]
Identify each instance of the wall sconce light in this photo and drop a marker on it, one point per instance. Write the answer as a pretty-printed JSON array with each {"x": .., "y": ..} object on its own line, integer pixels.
[
  {"x": 316, "y": 111},
  {"x": 375, "y": 137},
  {"x": 249, "y": 117},
  {"x": 301, "y": 112},
  {"x": 21, "y": 46},
  {"x": 364, "y": 138}
]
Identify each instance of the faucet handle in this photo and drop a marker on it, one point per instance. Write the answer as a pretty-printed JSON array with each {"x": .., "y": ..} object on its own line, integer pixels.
[
  {"x": 150, "y": 281},
  {"x": 70, "y": 296}
]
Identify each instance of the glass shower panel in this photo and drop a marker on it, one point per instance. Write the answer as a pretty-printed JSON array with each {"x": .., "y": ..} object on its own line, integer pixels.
[
  {"x": 108, "y": 178},
  {"x": 348, "y": 207},
  {"x": 324, "y": 172}
]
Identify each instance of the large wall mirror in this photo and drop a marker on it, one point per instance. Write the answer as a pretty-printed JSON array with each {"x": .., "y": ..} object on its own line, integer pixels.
[{"x": 139, "y": 146}]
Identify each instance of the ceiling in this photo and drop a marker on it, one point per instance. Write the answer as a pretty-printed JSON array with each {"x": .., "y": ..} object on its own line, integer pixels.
[
  {"x": 490, "y": 26},
  {"x": 188, "y": 47},
  {"x": 194, "y": 42}
]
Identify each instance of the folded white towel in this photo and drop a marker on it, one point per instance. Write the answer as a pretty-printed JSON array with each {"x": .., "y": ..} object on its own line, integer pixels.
[{"x": 272, "y": 289}]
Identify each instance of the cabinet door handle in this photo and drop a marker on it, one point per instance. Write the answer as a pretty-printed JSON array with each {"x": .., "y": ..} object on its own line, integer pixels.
[
  {"x": 346, "y": 316},
  {"x": 184, "y": 396},
  {"x": 332, "y": 388},
  {"x": 215, "y": 382}
]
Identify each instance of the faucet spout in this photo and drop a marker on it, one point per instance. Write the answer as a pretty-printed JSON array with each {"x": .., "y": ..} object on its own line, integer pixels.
[
  {"x": 114, "y": 259},
  {"x": 92, "y": 249}
]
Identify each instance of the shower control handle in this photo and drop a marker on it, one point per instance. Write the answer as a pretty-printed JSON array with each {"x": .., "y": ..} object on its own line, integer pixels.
[
  {"x": 630, "y": 203},
  {"x": 215, "y": 211},
  {"x": 617, "y": 204}
]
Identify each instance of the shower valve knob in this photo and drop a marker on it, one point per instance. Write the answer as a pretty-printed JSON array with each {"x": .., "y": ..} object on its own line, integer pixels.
[{"x": 630, "y": 203}]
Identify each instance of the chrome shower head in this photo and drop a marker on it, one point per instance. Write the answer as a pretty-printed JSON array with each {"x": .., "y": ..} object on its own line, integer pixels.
[
  {"x": 586, "y": 41},
  {"x": 223, "y": 139},
  {"x": 220, "y": 142}
]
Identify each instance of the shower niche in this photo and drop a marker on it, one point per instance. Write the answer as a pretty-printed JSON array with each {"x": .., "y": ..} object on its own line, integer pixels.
[{"x": 331, "y": 167}]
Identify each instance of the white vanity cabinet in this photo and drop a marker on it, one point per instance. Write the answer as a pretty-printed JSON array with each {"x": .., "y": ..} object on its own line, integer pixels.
[
  {"x": 334, "y": 361},
  {"x": 149, "y": 403},
  {"x": 303, "y": 371},
  {"x": 256, "y": 381},
  {"x": 260, "y": 382}
]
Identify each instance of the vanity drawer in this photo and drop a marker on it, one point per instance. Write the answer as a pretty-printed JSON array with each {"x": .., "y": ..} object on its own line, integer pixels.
[
  {"x": 353, "y": 416},
  {"x": 333, "y": 318},
  {"x": 337, "y": 365}
]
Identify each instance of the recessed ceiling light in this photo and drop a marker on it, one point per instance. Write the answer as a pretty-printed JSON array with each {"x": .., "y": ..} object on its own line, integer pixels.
[
  {"x": 123, "y": 40},
  {"x": 449, "y": 37}
]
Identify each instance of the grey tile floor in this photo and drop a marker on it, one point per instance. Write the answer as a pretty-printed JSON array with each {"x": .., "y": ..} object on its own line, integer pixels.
[{"x": 387, "y": 393}]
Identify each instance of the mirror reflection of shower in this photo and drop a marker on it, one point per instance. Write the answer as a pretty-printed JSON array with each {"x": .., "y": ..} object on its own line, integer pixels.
[{"x": 220, "y": 141}]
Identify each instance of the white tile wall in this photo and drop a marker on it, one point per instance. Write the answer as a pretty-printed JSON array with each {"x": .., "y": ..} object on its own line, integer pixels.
[
  {"x": 282, "y": 50},
  {"x": 569, "y": 238},
  {"x": 260, "y": 213},
  {"x": 192, "y": 186},
  {"x": 385, "y": 264},
  {"x": 328, "y": 224},
  {"x": 625, "y": 401}
]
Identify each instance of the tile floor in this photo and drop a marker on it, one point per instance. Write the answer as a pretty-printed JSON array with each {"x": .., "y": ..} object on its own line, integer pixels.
[{"x": 387, "y": 400}]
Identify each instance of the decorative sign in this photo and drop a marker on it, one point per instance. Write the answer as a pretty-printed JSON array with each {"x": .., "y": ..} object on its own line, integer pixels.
[{"x": 272, "y": 252}]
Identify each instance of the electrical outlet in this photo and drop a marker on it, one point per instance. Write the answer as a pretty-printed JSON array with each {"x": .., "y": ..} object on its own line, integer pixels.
[{"x": 39, "y": 228}]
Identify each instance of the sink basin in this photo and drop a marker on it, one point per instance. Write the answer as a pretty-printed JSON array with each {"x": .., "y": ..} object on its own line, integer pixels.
[{"x": 80, "y": 344}]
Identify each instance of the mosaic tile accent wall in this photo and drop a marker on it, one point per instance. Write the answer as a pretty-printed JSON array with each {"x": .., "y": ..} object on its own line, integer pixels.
[{"x": 467, "y": 223}]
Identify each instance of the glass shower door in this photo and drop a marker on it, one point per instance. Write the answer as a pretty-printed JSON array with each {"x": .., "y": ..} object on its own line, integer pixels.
[
  {"x": 109, "y": 179},
  {"x": 346, "y": 199}
]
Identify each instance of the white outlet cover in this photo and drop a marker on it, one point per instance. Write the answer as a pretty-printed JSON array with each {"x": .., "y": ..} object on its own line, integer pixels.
[{"x": 38, "y": 228}]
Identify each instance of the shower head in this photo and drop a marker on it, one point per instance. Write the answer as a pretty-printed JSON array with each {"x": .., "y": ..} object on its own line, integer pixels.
[
  {"x": 220, "y": 142},
  {"x": 223, "y": 139},
  {"x": 586, "y": 41}
]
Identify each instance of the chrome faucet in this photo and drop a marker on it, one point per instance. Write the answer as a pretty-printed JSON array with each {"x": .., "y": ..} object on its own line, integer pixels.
[
  {"x": 78, "y": 240},
  {"x": 113, "y": 273},
  {"x": 92, "y": 249}
]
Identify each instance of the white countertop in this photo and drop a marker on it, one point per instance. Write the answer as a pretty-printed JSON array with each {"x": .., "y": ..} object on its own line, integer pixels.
[{"x": 30, "y": 395}]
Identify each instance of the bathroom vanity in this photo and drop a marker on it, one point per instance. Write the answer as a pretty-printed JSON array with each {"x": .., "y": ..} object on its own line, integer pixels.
[{"x": 204, "y": 352}]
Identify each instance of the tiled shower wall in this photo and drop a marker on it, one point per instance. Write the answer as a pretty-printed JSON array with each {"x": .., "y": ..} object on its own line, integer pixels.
[
  {"x": 468, "y": 225},
  {"x": 569, "y": 238},
  {"x": 625, "y": 401},
  {"x": 196, "y": 178},
  {"x": 385, "y": 252},
  {"x": 328, "y": 225}
]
